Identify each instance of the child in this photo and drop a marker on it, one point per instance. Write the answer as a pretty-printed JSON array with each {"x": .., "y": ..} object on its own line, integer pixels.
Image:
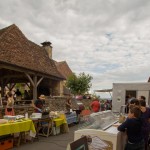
[
  {"x": 133, "y": 127},
  {"x": 134, "y": 102}
]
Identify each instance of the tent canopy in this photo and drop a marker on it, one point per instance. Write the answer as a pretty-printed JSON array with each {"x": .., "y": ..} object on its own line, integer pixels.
[{"x": 104, "y": 90}]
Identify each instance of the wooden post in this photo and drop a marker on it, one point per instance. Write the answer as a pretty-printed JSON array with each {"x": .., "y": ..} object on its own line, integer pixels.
[
  {"x": 35, "y": 87},
  {"x": 35, "y": 84},
  {"x": 2, "y": 88}
]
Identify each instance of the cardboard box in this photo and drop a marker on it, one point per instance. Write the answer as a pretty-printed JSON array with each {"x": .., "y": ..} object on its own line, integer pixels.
[{"x": 56, "y": 130}]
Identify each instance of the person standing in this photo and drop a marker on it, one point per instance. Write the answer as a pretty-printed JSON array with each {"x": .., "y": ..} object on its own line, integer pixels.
[
  {"x": 142, "y": 98},
  {"x": 27, "y": 97},
  {"x": 107, "y": 105},
  {"x": 9, "y": 110},
  {"x": 133, "y": 127},
  {"x": 18, "y": 95},
  {"x": 134, "y": 102},
  {"x": 68, "y": 104},
  {"x": 95, "y": 105},
  {"x": 102, "y": 107},
  {"x": 39, "y": 103},
  {"x": 145, "y": 116}
]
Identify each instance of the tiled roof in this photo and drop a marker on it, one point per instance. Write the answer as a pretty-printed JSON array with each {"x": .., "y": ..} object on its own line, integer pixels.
[
  {"x": 63, "y": 68},
  {"x": 16, "y": 49}
]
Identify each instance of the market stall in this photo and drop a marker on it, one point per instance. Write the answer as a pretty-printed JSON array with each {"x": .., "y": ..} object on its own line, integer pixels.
[
  {"x": 59, "y": 123},
  {"x": 49, "y": 123},
  {"x": 17, "y": 127},
  {"x": 11, "y": 127}
]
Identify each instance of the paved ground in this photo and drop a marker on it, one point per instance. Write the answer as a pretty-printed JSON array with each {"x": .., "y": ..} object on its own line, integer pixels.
[{"x": 57, "y": 142}]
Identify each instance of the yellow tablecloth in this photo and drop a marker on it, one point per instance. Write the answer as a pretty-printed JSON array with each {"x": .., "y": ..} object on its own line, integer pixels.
[
  {"x": 61, "y": 120},
  {"x": 16, "y": 127}
]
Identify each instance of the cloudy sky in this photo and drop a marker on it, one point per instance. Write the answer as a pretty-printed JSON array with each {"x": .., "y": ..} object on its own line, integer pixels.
[{"x": 108, "y": 39}]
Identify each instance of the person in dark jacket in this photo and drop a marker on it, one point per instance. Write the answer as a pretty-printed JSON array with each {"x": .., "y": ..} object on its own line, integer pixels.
[
  {"x": 39, "y": 103},
  {"x": 145, "y": 116},
  {"x": 133, "y": 127}
]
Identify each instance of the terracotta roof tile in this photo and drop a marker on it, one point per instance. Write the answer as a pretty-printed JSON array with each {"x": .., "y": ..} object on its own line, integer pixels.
[
  {"x": 17, "y": 50},
  {"x": 63, "y": 68}
]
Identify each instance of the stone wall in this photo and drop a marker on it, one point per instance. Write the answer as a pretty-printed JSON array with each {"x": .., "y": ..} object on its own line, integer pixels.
[
  {"x": 55, "y": 104},
  {"x": 58, "y": 103}
]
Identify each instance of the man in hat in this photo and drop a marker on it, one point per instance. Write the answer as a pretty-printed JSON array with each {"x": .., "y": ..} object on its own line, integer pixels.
[{"x": 38, "y": 104}]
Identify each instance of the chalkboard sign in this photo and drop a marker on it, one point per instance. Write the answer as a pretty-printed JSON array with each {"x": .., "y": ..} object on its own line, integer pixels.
[{"x": 80, "y": 144}]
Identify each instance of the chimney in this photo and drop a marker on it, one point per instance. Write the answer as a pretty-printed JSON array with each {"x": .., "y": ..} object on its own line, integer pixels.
[{"x": 47, "y": 46}]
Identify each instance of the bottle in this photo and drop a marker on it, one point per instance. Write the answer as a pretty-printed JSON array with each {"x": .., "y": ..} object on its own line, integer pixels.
[{"x": 26, "y": 115}]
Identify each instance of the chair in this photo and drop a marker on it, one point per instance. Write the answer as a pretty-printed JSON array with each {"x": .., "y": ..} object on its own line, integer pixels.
[{"x": 43, "y": 127}]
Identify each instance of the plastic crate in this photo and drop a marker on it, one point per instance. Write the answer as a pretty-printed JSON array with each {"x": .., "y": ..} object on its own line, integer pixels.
[{"x": 6, "y": 144}]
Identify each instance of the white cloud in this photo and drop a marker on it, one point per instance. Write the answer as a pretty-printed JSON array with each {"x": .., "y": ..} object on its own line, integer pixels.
[{"x": 106, "y": 39}]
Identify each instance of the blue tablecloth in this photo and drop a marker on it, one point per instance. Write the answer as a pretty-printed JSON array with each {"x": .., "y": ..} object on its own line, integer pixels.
[{"x": 71, "y": 117}]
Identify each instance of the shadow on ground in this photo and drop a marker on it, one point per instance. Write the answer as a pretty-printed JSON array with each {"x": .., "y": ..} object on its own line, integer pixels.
[{"x": 57, "y": 142}]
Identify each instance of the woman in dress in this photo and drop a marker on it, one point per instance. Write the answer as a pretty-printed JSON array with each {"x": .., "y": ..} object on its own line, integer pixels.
[{"x": 9, "y": 110}]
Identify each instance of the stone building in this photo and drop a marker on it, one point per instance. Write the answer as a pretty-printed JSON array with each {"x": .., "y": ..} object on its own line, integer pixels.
[{"x": 23, "y": 61}]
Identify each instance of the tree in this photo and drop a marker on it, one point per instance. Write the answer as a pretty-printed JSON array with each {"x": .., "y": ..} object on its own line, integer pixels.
[{"x": 79, "y": 85}]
